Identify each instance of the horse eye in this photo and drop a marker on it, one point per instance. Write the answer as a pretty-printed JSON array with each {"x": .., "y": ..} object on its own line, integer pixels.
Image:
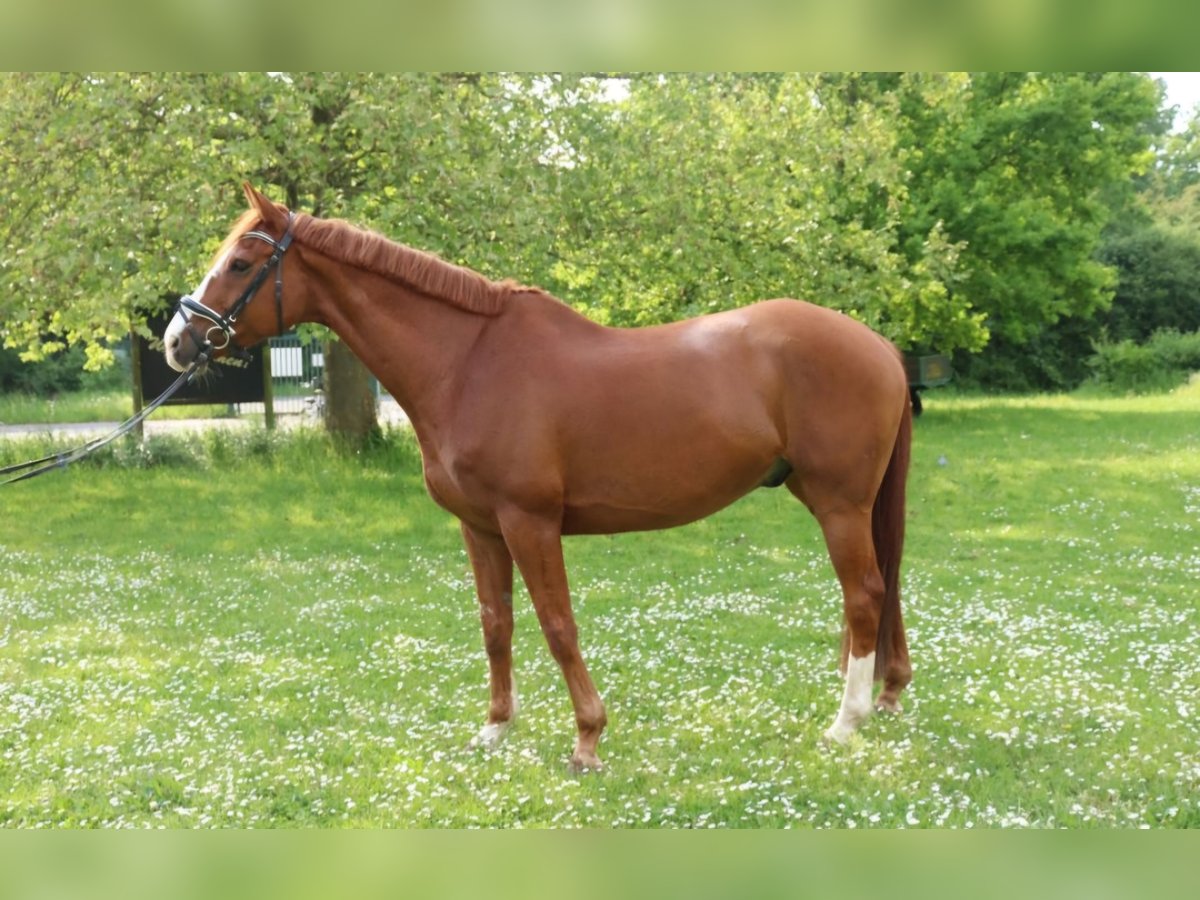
[{"x": 239, "y": 265}]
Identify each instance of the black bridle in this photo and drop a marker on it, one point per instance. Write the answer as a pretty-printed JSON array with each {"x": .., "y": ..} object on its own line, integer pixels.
[
  {"x": 188, "y": 305},
  {"x": 224, "y": 322}
]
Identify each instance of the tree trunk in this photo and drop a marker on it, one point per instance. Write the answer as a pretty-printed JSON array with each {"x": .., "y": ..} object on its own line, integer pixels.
[{"x": 349, "y": 399}]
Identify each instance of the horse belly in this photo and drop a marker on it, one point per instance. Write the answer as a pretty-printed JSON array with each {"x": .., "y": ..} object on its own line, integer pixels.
[
  {"x": 642, "y": 476},
  {"x": 603, "y": 518}
]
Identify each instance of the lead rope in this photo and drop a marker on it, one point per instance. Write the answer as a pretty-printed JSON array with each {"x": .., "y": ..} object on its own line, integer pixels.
[
  {"x": 66, "y": 457},
  {"x": 223, "y": 322}
]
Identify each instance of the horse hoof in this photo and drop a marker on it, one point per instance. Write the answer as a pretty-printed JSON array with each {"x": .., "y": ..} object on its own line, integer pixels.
[
  {"x": 490, "y": 736},
  {"x": 888, "y": 706},
  {"x": 584, "y": 762},
  {"x": 836, "y": 737}
]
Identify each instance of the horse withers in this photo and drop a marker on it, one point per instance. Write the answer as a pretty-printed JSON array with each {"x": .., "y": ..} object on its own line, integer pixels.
[{"x": 535, "y": 422}]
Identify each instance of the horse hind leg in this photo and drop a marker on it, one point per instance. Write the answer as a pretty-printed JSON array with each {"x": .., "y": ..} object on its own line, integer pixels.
[
  {"x": 897, "y": 670},
  {"x": 852, "y": 551}
]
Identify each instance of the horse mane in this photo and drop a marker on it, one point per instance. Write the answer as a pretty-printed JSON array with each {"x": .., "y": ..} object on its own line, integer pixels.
[{"x": 417, "y": 269}]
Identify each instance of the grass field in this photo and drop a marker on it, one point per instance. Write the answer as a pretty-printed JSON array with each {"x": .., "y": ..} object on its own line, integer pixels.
[
  {"x": 88, "y": 406},
  {"x": 257, "y": 631}
]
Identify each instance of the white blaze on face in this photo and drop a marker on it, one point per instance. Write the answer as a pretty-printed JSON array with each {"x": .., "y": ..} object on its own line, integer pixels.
[
  {"x": 175, "y": 335},
  {"x": 856, "y": 702}
]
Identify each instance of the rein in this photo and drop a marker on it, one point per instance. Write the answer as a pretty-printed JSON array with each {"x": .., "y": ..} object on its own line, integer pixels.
[{"x": 62, "y": 460}]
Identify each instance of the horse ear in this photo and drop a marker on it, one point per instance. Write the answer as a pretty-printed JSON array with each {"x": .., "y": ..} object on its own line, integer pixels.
[{"x": 272, "y": 214}]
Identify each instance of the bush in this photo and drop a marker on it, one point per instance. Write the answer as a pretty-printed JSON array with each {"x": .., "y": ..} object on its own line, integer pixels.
[
  {"x": 1164, "y": 362},
  {"x": 1158, "y": 282},
  {"x": 60, "y": 373},
  {"x": 55, "y": 374},
  {"x": 1054, "y": 360}
]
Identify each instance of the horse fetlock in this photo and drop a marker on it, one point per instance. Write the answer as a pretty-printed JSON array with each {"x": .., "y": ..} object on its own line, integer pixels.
[
  {"x": 848, "y": 721},
  {"x": 490, "y": 736},
  {"x": 591, "y": 723},
  {"x": 583, "y": 760},
  {"x": 505, "y": 705},
  {"x": 856, "y": 705},
  {"x": 888, "y": 702},
  {"x": 590, "y": 727}
]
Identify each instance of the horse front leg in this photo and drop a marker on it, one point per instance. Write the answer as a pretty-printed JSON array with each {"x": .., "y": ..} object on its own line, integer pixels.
[
  {"x": 493, "y": 568},
  {"x": 536, "y": 545}
]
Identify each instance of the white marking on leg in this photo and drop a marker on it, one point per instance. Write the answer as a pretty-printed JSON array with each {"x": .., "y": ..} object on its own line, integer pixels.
[
  {"x": 856, "y": 701},
  {"x": 491, "y": 734}
]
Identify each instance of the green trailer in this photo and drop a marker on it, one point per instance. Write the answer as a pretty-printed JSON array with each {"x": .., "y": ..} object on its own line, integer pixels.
[{"x": 926, "y": 372}]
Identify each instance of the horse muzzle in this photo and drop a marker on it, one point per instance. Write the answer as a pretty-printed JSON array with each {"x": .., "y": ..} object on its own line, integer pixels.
[{"x": 187, "y": 341}]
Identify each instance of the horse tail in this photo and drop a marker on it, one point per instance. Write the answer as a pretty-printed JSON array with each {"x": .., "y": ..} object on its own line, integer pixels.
[{"x": 887, "y": 531}]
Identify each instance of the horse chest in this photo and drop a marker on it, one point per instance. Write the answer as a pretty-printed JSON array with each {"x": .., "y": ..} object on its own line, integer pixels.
[
  {"x": 442, "y": 488},
  {"x": 448, "y": 491}
]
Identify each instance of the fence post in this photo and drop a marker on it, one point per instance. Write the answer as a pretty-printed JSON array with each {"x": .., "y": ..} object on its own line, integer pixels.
[
  {"x": 135, "y": 366},
  {"x": 268, "y": 389}
]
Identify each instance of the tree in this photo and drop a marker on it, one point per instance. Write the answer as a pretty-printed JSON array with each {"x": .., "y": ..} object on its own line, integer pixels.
[
  {"x": 1170, "y": 191},
  {"x": 1156, "y": 253},
  {"x": 1158, "y": 282},
  {"x": 1178, "y": 169},
  {"x": 119, "y": 187},
  {"x": 101, "y": 210},
  {"x": 702, "y": 192},
  {"x": 936, "y": 208},
  {"x": 1027, "y": 169}
]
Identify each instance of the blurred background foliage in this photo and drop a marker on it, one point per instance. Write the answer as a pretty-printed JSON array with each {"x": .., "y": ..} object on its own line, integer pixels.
[{"x": 1018, "y": 220}]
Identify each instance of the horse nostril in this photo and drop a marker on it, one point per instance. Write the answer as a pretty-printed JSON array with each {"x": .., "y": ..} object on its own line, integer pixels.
[{"x": 172, "y": 341}]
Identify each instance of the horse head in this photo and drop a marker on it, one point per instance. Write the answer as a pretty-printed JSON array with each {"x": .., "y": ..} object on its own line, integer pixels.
[{"x": 221, "y": 317}]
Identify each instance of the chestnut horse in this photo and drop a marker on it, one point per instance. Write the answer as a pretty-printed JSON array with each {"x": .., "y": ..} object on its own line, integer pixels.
[{"x": 535, "y": 422}]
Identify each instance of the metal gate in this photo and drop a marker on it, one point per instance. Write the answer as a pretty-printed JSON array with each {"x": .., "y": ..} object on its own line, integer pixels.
[
  {"x": 297, "y": 381},
  {"x": 297, "y": 370}
]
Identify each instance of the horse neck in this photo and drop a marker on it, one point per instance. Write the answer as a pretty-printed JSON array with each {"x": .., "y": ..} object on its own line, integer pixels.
[{"x": 416, "y": 346}]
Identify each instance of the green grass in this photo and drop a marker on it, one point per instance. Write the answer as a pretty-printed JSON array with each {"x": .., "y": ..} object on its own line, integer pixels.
[
  {"x": 257, "y": 631},
  {"x": 87, "y": 406}
]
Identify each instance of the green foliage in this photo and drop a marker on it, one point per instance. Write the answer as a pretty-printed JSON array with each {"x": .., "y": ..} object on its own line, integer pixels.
[
  {"x": 1158, "y": 281},
  {"x": 60, "y": 372},
  {"x": 1163, "y": 362},
  {"x": 692, "y": 194},
  {"x": 1178, "y": 171},
  {"x": 936, "y": 208},
  {"x": 1026, "y": 169},
  {"x": 1055, "y": 359},
  {"x": 699, "y": 193}
]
